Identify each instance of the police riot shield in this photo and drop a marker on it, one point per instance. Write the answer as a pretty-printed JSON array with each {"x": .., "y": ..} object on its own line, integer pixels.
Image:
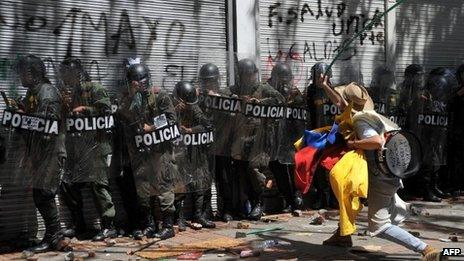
[
  {"x": 148, "y": 122},
  {"x": 35, "y": 126},
  {"x": 291, "y": 125},
  {"x": 191, "y": 149},
  {"x": 382, "y": 89},
  {"x": 89, "y": 124},
  {"x": 432, "y": 115},
  {"x": 219, "y": 105},
  {"x": 261, "y": 108},
  {"x": 405, "y": 111}
]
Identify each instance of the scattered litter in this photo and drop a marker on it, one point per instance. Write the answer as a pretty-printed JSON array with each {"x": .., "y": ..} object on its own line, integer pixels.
[
  {"x": 318, "y": 220},
  {"x": 69, "y": 256},
  {"x": 414, "y": 233},
  {"x": 444, "y": 240},
  {"x": 25, "y": 254},
  {"x": 243, "y": 225},
  {"x": 91, "y": 254},
  {"x": 221, "y": 255},
  {"x": 262, "y": 245},
  {"x": 419, "y": 211},
  {"x": 249, "y": 253},
  {"x": 297, "y": 213},
  {"x": 195, "y": 226},
  {"x": 111, "y": 242},
  {"x": 32, "y": 258},
  {"x": 190, "y": 256},
  {"x": 274, "y": 218},
  {"x": 453, "y": 238},
  {"x": 363, "y": 233}
]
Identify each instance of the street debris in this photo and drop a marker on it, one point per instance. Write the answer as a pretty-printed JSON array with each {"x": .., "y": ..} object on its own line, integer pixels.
[
  {"x": 69, "y": 256},
  {"x": 444, "y": 239},
  {"x": 26, "y": 254},
  {"x": 190, "y": 256},
  {"x": 243, "y": 225},
  {"x": 317, "y": 220},
  {"x": 414, "y": 233},
  {"x": 453, "y": 238},
  {"x": 249, "y": 253},
  {"x": 255, "y": 232}
]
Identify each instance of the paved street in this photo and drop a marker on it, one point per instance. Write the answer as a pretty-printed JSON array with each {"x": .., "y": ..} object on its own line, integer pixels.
[{"x": 298, "y": 239}]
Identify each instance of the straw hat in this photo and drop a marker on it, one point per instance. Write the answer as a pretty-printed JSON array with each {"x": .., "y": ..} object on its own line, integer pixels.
[{"x": 356, "y": 94}]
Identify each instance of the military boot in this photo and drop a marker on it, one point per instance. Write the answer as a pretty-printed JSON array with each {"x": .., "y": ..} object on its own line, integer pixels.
[
  {"x": 107, "y": 231},
  {"x": 167, "y": 230},
  {"x": 256, "y": 212},
  {"x": 179, "y": 204}
]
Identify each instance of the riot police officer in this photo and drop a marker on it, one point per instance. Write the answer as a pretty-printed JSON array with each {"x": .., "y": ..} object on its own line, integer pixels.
[
  {"x": 144, "y": 110},
  {"x": 288, "y": 130},
  {"x": 220, "y": 161},
  {"x": 44, "y": 157},
  {"x": 89, "y": 152},
  {"x": 253, "y": 136},
  {"x": 322, "y": 112},
  {"x": 431, "y": 127},
  {"x": 192, "y": 158},
  {"x": 456, "y": 135}
]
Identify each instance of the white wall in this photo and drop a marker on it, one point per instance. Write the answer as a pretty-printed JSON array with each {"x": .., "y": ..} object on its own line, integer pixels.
[{"x": 247, "y": 29}]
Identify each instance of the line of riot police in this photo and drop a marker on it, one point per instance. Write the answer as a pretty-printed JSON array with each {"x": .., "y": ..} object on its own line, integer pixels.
[{"x": 164, "y": 148}]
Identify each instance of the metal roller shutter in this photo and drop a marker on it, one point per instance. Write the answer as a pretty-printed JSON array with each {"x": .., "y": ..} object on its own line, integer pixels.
[
  {"x": 429, "y": 33},
  {"x": 173, "y": 37},
  {"x": 306, "y": 32}
]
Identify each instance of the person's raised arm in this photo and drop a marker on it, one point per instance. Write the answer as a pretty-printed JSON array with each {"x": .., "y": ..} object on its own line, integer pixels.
[{"x": 335, "y": 98}]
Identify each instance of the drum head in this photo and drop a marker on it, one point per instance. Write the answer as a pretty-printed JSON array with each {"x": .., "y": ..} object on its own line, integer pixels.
[{"x": 403, "y": 154}]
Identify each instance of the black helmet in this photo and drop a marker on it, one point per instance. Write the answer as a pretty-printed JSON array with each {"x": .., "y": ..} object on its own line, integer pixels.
[
  {"x": 441, "y": 82},
  {"x": 281, "y": 71},
  {"x": 31, "y": 70},
  {"x": 459, "y": 72},
  {"x": 281, "y": 76},
  {"x": 139, "y": 73},
  {"x": 247, "y": 67},
  {"x": 186, "y": 92},
  {"x": 208, "y": 71},
  {"x": 320, "y": 68},
  {"x": 71, "y": 68},
  {"x": 413, "y": 69}
]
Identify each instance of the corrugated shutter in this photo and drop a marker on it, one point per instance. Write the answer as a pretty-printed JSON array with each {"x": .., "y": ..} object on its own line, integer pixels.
[
  {"x": 306, "y": 32},
  {"x": 429, "y": 33},
  {"x": 173, "y": 37}
]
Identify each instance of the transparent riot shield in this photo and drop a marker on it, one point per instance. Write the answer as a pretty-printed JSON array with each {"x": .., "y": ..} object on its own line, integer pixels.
[
  {"x": 36, "y": 127},
  {"x": 89, "y": 124},
  {"x": 291, "y": 125},
  {"x": 405, "y": 111},
  {"x": 382, "y": 89},
  {"x": 255, "y": 127},
  {"x": 148, "y": 125},
  {"x": 191, "y": 149},
  {"x": 431, "y": 119}
]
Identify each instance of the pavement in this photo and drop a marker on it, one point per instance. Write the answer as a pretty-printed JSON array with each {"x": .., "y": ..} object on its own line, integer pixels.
[{"x": 299, "y": 238}]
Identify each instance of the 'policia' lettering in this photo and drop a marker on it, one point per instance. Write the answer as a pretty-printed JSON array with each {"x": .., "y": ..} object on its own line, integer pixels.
[
  {"x": 90, "y": 123},
  {"x": 432, "y": 120},
  {"x": 199, "y": 138},
  {"x": 221, "y": 103},
  {"x": 264, "y": 111},
  {"x": 295, "y": 113},
  {"x": 27, "y": 122},
  {"x": 380, "y": 107},
  {"x": 400, "y": 120},
  {"x": 158, "y": 136},
  {"x": 331, "y": 110}
]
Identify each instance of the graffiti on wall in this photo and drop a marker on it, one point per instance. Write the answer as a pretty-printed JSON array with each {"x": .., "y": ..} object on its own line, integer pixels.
[
  {"x": 289, "y": 39},
  {"x": 101, "y": 39}
]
